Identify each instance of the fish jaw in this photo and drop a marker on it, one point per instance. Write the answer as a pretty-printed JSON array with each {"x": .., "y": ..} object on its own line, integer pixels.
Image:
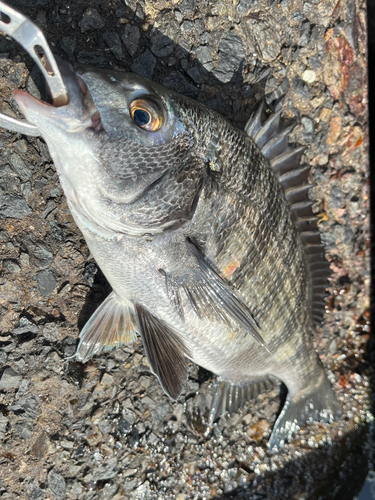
[
  {"x": 67, "y": 133},
  {"x": 44, "y": 115}
]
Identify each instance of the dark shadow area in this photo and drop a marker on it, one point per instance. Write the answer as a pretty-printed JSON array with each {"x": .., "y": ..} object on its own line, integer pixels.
[
  {"x": 334, "y": 472},
  {"x": 100, "y": 289},
  {"x": 337, "y": 470}
]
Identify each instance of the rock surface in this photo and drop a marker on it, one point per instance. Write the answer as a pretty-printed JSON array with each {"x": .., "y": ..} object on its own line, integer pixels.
[{"x": 106, "y": 430}]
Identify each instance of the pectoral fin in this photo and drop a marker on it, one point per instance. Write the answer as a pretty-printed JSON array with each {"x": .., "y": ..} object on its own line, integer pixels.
[
  {"x": 166, "y": 353},
  {"x": 210, "y": 297},
  {"x": 111, "y": 325}
]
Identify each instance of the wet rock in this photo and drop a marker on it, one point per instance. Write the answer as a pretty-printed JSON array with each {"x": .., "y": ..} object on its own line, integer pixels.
[
  {"x": 68, "y": 45},
  {"x": 4, "y": 422},
  {"x": 23, "y": 429},
  {"x": 42, "y": 446},
  {"x": 301, "y": 87},
  {"x": 244, "y": 6},
  {"x": 281, "y": 90},
  {"x": 10, "y": 379},
  {"x": 40, "y": 252},
  {"x": 51, "y": 332},
  {"x": 175, "y": 81},
  {"x": 195, "y": 75},
  {"x": 114, "y": 43},
  {"x": 25, "y": 327},
  {"x": 13, "y": 206},
  {"x": 46, "y": 282},
  {"x": 305, "y": 34},
  {"x": 144, "y": 65},
  {"x": 315, "y": 61},
  {"x": 307, "y": 126},
  {"x": 203, "y": 54},
  {"x": 23, "y": 171},
  {"x": 131, "y": 38},
  {"x": 97, "y": 58},
  {"x": 139, "y": 14},
  {"x": 161, "y": 45},
  {"x": 231, "y": 57},
  {"x": 56, "y": 483},
  {"x": 91, "y": 20},
  {"x": 11, "y": 266},
  {"x": 33, "y": 490},
  {"x": 336, "y": 197},
  {"x": 105, "y": 471},
  {"x": 26, "y": 407}
]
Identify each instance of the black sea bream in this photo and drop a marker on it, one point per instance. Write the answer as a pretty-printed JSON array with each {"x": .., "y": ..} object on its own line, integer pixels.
[{"x": 205, "y": 234}]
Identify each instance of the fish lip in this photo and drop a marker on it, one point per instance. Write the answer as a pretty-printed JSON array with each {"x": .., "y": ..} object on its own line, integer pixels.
[
  {"x": 78, "y": 89},
  {"x": 23, "y": 98}
]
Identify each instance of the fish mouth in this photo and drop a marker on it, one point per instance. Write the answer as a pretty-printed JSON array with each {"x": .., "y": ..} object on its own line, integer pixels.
[{"x": 78, "y": 114}]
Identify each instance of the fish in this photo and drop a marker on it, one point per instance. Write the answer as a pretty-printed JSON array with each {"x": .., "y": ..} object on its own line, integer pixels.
[{"x": 205, "y": 233}]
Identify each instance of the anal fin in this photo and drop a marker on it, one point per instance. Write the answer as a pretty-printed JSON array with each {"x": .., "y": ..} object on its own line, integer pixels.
[
  {"x": 230, "y": 397},
  {"x": 112, "y": 324},
  {"x": 165, "y": 351}
]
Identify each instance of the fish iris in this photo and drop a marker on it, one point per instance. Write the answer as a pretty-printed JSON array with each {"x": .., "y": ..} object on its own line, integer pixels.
[{"x": 146, "y": 114}]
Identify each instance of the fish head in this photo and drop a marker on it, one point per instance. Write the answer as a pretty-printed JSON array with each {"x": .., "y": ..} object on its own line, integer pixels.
[{"x": 125, "y": 149}]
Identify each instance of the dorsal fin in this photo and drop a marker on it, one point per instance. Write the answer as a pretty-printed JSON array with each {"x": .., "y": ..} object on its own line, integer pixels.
[{"x": 273, "y": 140}]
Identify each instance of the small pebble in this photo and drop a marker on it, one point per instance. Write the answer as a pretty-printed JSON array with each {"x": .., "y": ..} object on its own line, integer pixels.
[{"x": 309, "y": 76}]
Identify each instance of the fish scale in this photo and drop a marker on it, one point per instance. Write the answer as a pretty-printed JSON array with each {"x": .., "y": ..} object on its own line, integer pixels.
[{"x": 195, "y": 224}]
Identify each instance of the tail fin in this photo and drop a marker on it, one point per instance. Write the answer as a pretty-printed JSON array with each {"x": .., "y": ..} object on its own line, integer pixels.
[{"x": 316, "y": 403}]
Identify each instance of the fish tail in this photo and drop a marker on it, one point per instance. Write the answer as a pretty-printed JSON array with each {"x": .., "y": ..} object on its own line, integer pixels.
[{"x": 315, "y": 403}]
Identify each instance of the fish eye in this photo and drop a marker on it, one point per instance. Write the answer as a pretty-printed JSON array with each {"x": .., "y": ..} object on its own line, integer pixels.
[{"x": 146, "y": 114}]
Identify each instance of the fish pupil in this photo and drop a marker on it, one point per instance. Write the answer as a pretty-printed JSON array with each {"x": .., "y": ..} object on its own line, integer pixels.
[{"x": 141, "y": 117}]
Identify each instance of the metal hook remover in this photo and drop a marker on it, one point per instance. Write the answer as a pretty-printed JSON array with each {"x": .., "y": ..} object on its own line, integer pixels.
[{"x": 27, "y": 34}]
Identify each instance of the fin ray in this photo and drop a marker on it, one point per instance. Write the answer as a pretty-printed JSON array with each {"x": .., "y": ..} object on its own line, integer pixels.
[
  {"x": 272, "y": 140},
  {"x": 210, "y": 296},
  {"x": 230, "y": 397},
  {"x": 317, "y": 404},
  {"x": 165, "y": 351},
  {"x": 112, "y": 324}
]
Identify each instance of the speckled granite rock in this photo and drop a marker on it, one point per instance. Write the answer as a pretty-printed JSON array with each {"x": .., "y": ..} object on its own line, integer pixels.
[{"x": 106, "y": 430}]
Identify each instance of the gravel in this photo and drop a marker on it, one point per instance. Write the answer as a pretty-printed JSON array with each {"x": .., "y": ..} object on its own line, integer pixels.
[
  {"x": 131, "y": 38},
  {"x": 105, "y": 429},
  {"x": 231, "y": 58},
  {"x": 144, "y": 65},
  {"x": 56, "y": 483},
  {"x": 91, "y": 20},
  {"x": 114, "y": 43},
  {"x": 10, "y": 379},
  {"x": 13, "y": 206}
]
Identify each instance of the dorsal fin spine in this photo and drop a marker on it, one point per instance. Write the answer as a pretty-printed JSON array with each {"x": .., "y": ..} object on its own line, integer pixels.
[{"x": 272, "y": 140}]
